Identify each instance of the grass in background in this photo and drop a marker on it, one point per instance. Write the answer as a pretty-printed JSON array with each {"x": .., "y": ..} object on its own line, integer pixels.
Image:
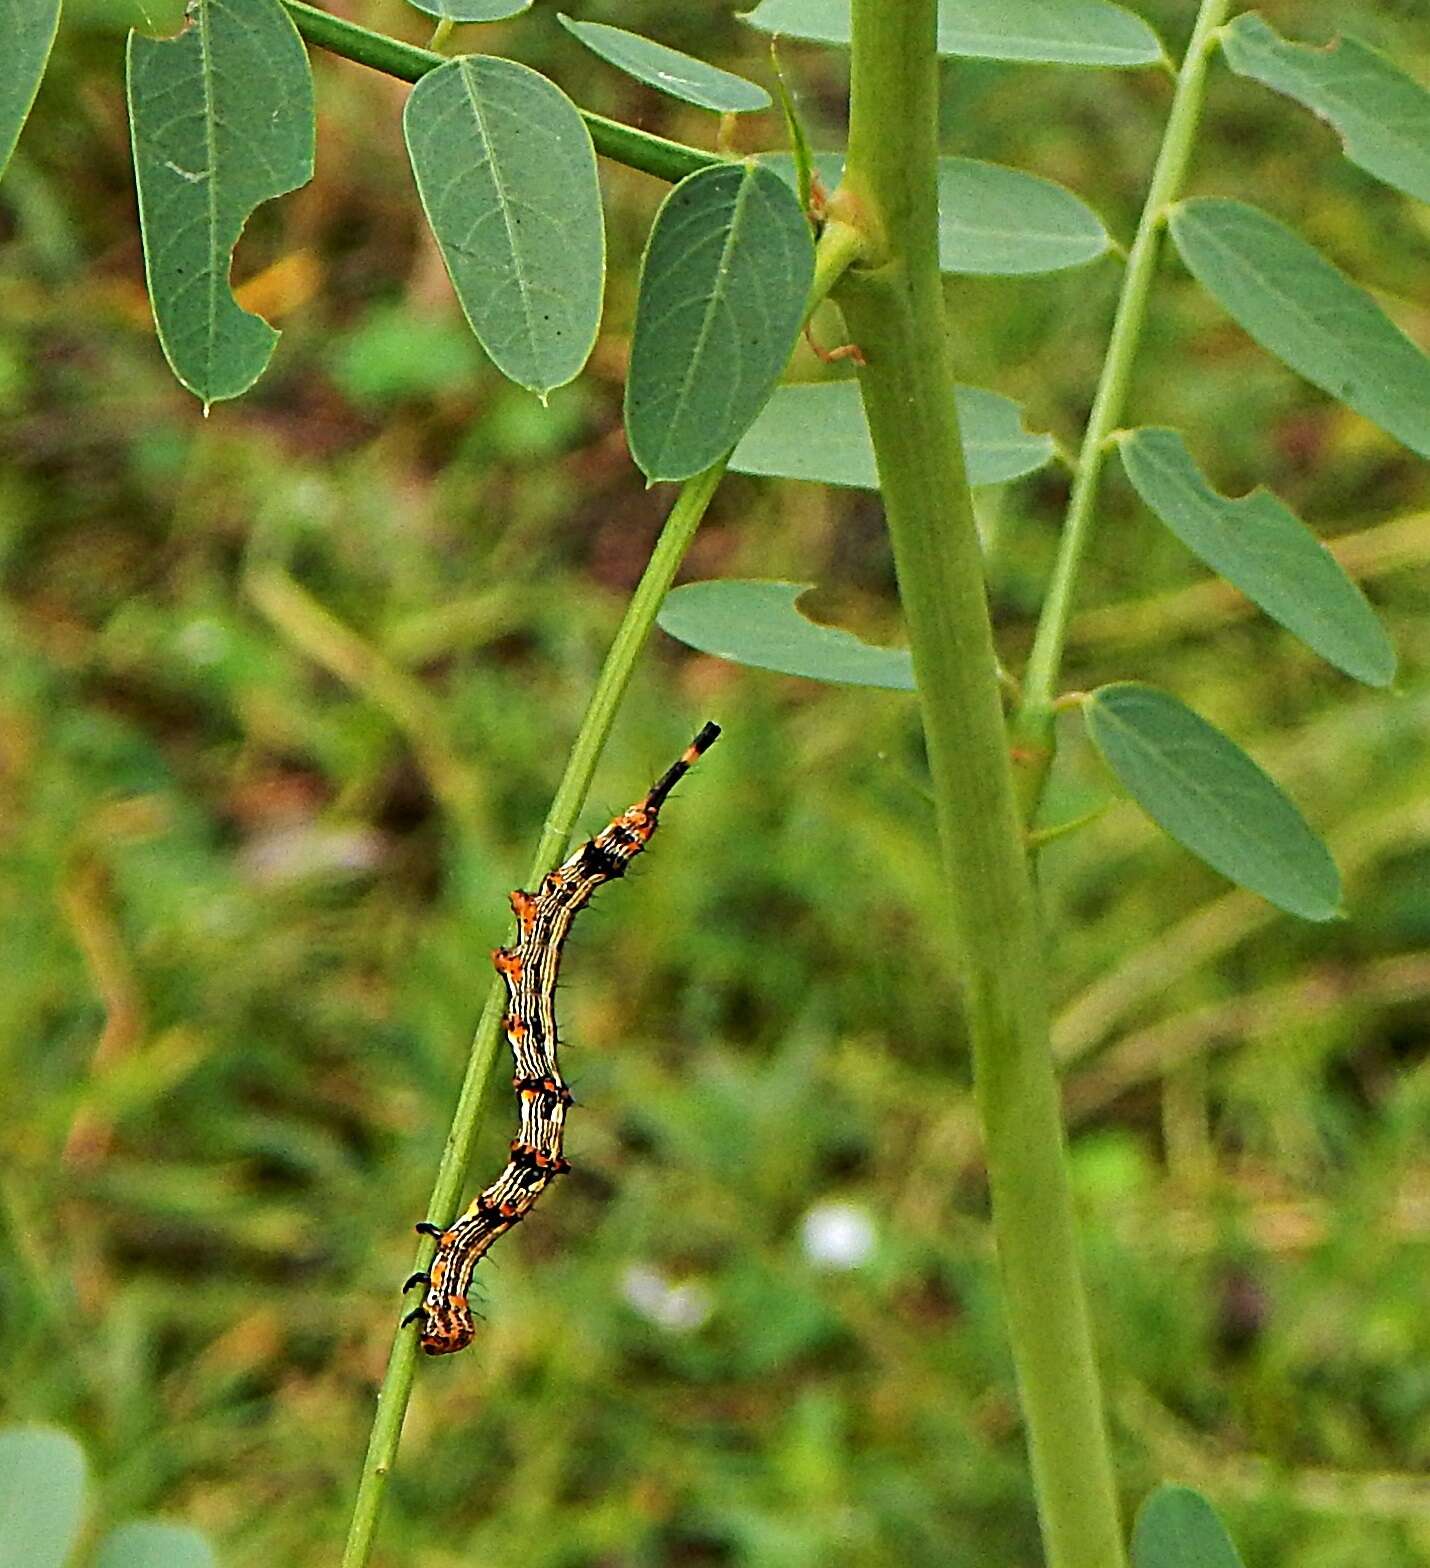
[{"x": 279, "y": 698}]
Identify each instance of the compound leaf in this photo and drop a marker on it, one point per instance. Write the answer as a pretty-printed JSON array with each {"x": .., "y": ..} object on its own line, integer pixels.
[
  {"x": 1178, "y": 1528},
  {"x": 1306, "y": 312},
  {"x": 1204, "y": 791},
  {"x": 507, "y": 176},
  {"x": 1381, "y": 115},
  {"x": 1263, "y": 549},
  {"x": 818, "y": 432},
  {"x": 221, "y": 119},
  {"x": 722, "y": 293},
  {"x": 28, "y": 28},
  {"x": 41, "y": 1496},
  {"x": 668, "y": 70}
]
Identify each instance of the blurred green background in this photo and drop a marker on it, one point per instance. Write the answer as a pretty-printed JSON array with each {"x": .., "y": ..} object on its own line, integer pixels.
[{"x": 283, "y": 696}]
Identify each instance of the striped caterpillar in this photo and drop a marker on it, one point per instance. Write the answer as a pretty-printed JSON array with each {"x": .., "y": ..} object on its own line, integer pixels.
[{"x": 543, "y": 920}]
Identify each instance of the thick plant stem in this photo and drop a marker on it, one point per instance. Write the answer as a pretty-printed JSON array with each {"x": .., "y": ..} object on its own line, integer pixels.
[
  {"x": 894, "y": 309},
  {"x": 838, "y": 248},
  {"x": 1035, "y": 716}
]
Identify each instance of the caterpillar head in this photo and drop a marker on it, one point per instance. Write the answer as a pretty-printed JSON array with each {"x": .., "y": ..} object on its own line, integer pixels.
[{"x": 449, "y": 1327}]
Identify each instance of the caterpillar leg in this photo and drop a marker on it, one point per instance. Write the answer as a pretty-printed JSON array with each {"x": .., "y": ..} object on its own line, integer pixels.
[
  {"x": 412, "y": 1317},
  {"x": 419, "y": 1278},
  {"x": 427, "y": 1228}
]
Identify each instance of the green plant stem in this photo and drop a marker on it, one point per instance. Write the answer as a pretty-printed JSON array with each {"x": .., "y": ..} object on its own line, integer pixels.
[
  {"x": 894, "y": 309},
  {"x": 837, "y": 249},
  {"x": 1033, "y": 727},
  {"x": 655, "y": 155}
]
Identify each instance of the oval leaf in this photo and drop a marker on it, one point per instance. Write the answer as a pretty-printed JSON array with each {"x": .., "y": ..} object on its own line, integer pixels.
[
  {"x": 41, "y": 1496},
  {"x": 222, "y": 120},
  {"x": 507, "y": 175},
  {"x": 1381, "y": 115},
  {"x": 1204, "y": 791},
  {"x": 818, "y": 432},
  {"x": 1054, "y": 32},
  {"x": 28, "y": 28},
  {"x": 993, "y": 221},
  {"x": 149, "y": 1543},
  {"x": 471, "y": 10},
  {"x": 722, "y": 292},
  {"x": 1263, "y": 549},
  {"x": 1178, "y": 1528},
  {"x": 667, "y": 70},
  {"x": 759, "y": 624},
  {"x": 1300, "y": 308}
]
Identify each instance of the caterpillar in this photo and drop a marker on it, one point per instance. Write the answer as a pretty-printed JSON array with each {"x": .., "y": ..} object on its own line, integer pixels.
[{"x": 529, "y": 967}]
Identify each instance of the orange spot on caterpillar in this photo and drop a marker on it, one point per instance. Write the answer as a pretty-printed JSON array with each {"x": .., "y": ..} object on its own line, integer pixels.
[
  {"x": 507, "y": 961},
  {"x": 524, "y": 906}
]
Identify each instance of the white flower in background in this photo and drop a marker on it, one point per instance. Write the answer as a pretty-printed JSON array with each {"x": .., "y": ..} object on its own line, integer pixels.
[
  {"x": 677, "y": 1308},
  {"x": 838, "y": 1235}
]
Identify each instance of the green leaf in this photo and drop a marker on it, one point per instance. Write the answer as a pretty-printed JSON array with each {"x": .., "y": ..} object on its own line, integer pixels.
[
  {"x": 149, "y": 1543},
  {"x": 759, "y": 624},
  {"x": 668, "y": 70},
  {"x": 1300, "y": 308},
  {"x": 1265, "y": 551},
  {"x": 1053, "y": 32},
  {"x": 1381, "y": 115},
  {"x": 722, "y": 292},
  {"x": 471, "y": 10},
  {"x": 41, "y": 1496},
  {"x": 992, "y": 220},
  {"x": 818, "y": 432},
  {"x": 28, "y": 28},
  {"x": 507, "y": 175},
  {"x": 222, "y": 121},
  {"x": 1177, "y": 1528},
  {"x": 1204, "y": 791}
]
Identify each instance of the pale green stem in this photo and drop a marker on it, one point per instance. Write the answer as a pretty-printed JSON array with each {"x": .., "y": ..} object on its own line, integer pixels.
[
  {"x": 894, "y": 309},
  {"x": 1034, "y": 724},
  {"x": 838, "y": 247}
]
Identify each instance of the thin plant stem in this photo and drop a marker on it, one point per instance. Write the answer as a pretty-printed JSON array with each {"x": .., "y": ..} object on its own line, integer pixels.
[
  {"x": 1033, "y": 728},
  {"x": 893, "y": 306},
  {"x": 839, "y": 246},
  {"x": 667, "y": 160}
]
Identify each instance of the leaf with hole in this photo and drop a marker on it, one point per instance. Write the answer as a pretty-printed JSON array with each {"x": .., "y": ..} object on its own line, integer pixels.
[
  {"x": 1302, "y": 309},
  {"x": 818, "y": 432},
  {"x": 759, "y": 624},
  {"x": 1381, "y": 115},
  {"x": 1203, "y": 790},
  {"x": 994, "y": 221},
  {"x": 668, "y": 70},
  {"x": 1263, "y": 549},
  {"x": 28, "y": 28},
  {"x": 42, "y": 1485},
  {"x": 507, "y": 176},
  {"x": 1051, "y": 32},
  {"x": 471, "y": 10},
  {"x": 722, "y": 293},
  {"x": 1178, "y": 1528},
  {"x": 221, "y": 119}
]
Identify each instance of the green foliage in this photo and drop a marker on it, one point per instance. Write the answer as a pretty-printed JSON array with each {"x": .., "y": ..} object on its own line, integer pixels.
[
  {"x": 1203, "y": 790},
  {"x": 760, "y": 624},
  {"x": 1177, "y": 1528},
  {"x": 1381, "y": 114},
  {"x": 1264, "y": 550},
  {"x": 471, "y": 10},
  {"x": 42, "y": 1501},
  {"x": 507, "y": 176},
  {"x": 1054, "y": 32},
  {"x": 817, "y": 431},
  {"x": 1306, "y": 312},
  {"x": 29, "y": 32},
  {"x": 222, "y": 120},
  {"x": 723, "y": 286},
  {"x": 994, "y": 221},
  {"x": 668, "y": 70}
]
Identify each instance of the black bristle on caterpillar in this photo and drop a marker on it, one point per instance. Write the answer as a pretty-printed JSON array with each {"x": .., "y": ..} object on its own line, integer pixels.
[{"x": 530, "y": 967}]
